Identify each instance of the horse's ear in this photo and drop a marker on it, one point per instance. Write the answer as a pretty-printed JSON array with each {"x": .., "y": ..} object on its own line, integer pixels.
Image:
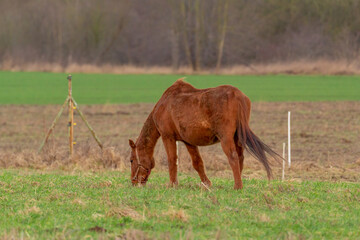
[{"x": 132, "y": 144}]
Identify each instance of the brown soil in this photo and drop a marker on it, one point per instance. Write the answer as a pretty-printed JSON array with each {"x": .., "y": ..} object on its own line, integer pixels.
[{"x": 325, "y": 139}]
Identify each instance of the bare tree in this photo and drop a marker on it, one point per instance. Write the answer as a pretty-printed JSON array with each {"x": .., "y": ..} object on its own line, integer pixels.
[
  {"x": 223, "y": 12},
  {"x": 122, "y": 15},
  {"x": 184, "y": 20},
  {"x": 174, "y": 35},
  {"x": 198, "y": 12}
]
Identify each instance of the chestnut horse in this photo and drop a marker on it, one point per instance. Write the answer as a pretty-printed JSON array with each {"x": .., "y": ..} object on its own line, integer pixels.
[{"x": 198, "y": 117}]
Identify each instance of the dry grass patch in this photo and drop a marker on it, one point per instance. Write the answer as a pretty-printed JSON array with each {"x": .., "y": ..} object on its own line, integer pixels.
[
  {"x": 14, "y": 234},
  {"x": 133, "y": 234},
  {"x": 96, "y": 216},
  {"x": 58, "y": 158},
  {"x": 264, "y": 218},
  {"x": 78, "y": 201},
  {"x": 305, "y": 66},
  {"x": 177, "y": 214},
  {"x": 124, "y": 211},
  {"x": 30, "y": 210}
]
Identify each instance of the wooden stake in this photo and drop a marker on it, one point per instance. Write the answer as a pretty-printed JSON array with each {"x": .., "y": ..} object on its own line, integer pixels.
[
  {"x": 71, "y": 118},
  {"x": 283, "y": 166},
  {"x": 53, "y": 125},
  {"x": 87, "y": 124}
]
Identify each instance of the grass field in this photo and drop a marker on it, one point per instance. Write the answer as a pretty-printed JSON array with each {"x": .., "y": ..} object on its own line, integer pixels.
[
  {"x": 40, "y": 205},
  {"x": 51, "y": 88}
]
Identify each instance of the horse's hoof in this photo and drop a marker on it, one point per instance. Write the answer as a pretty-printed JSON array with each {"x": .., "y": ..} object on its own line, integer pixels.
[
  {"x": 208, "y": 183},
  {"x": 239, "y": 187},
  {"x": 173, "y": 184},
  {"x": 205, "y": 186}
]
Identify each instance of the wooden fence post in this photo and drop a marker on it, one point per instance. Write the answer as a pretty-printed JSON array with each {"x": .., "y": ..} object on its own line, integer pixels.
[
  {"x": 72, "y": 105},
  {"x": 71, "y": 118}
]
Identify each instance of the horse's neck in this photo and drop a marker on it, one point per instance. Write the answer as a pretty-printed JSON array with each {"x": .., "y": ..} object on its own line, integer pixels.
[{"x": 148, "y": 136}]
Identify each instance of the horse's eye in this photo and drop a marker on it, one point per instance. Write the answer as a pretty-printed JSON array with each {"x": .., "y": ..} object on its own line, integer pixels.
[{"x": 131, "y": 161}]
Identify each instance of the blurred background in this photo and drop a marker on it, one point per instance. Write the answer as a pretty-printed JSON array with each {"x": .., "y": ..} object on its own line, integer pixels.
[{"x": 196, "y": 34}]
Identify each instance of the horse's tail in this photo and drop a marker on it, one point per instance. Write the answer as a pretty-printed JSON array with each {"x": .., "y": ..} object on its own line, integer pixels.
[{"x": 251, "y": 142}]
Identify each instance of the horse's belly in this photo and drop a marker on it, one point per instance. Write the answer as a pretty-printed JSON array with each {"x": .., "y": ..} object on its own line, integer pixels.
[{"x": 198, "y": 135}]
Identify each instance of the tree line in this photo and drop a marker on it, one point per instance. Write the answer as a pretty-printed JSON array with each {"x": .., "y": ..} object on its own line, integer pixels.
[{"x": 195, "y": 33}]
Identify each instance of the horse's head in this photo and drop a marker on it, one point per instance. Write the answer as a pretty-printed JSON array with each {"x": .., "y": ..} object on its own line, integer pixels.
[{"x": 141, "y": 164}]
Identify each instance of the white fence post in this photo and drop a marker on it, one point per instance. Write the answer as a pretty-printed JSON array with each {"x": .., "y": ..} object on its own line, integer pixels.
[{"x": 289, "y": 140}]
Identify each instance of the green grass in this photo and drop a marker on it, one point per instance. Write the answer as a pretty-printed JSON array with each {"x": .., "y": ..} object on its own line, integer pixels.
[
  {"x": 62, "y": 205},
  {"x": 51, "y": 88}
]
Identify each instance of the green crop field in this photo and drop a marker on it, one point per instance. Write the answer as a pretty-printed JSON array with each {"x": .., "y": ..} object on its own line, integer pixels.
[
  {"x": 51, "y": 88},
  {"x": 48, "y": 205}
]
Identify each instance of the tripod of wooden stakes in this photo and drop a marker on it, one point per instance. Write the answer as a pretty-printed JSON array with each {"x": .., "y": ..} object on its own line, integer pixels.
[{"x": 70, "y": 101}]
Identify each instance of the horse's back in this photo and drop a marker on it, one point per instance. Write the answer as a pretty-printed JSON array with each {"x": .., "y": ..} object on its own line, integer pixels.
[
  {"x": 181, "y": 89},
  {"x": 183, "y": 97}
]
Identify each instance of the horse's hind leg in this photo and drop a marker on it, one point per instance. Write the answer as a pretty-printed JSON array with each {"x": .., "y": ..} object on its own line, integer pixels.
[
  {"x": 198, "y": 163},
  {"x": 240, "y": 151},
  {"x": 229, "y": 147},
  {"x": 170, "y": 147}
]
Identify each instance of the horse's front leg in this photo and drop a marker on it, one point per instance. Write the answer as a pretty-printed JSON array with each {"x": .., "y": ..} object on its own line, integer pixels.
[{"x": 170, "y": 147}]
